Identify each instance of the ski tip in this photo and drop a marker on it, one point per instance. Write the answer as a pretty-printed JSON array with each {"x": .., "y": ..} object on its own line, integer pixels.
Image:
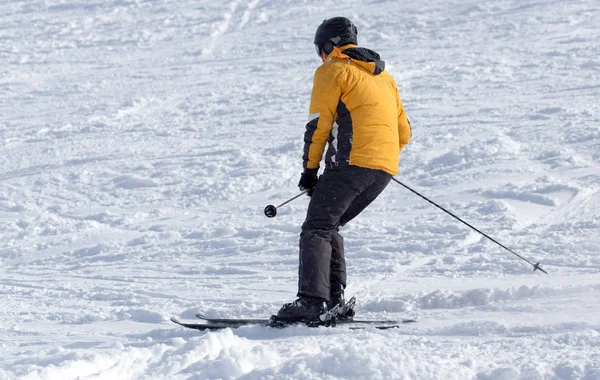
[
  {"x": 201, "y": 316},
  {"x": 175, "y": 320}
]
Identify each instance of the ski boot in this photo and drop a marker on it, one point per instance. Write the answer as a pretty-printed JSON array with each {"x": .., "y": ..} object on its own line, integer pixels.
[
  {"x": 336, "y": 297},
  {"x": 305, "y": 308}
]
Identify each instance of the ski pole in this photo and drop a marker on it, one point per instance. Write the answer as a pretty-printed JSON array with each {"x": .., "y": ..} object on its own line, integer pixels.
[
  {"x": 535, "y": 266},
  {"x": 271, "y": 211}
]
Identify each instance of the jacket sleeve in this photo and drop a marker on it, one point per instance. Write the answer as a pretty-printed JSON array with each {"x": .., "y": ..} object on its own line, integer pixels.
[
  {"x": 404, "y": 128},
  {"x": 326, "y": 93}
]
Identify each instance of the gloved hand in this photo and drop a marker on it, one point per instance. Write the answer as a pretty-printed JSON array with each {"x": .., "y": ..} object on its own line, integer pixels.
[{"x": 308, "y": 180}]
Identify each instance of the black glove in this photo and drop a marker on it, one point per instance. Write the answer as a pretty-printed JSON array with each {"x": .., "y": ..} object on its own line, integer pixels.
[{"x": 308, "y": 180}]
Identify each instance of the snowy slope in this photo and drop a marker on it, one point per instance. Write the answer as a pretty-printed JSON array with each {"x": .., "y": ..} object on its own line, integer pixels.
[{"x": 141, "y": 140}]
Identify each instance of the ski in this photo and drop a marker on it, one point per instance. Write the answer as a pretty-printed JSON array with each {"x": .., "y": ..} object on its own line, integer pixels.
[
  {"x": 223, "y": 323},
  {"x": 335, "y": 312},
  {"x": 242, "y": 322},
  {"x": 339, "y": 315},
  {"x": 233, "y": 321}
]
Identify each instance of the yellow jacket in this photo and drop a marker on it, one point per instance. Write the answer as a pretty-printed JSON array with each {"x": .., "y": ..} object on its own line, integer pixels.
[{"x": 356, "y": 108}]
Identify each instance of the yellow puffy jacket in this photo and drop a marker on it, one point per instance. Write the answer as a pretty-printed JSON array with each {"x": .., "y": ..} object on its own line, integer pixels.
[{"x": 356, "y": 108}]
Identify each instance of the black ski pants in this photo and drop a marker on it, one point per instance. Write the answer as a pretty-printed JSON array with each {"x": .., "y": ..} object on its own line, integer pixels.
[{"x": 342, "y": 193}]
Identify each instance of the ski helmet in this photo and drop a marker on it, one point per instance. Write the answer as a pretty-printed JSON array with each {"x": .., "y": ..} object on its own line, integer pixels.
[{"x": 336, "y": 31}]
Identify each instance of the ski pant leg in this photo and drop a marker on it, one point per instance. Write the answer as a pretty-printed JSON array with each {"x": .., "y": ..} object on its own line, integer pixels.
[
  {"x": 365, "y": 198},
  {"x": 321, "y": 245},
  {"x": 379, "y": 182},
  {"x": 330, "y": 199},
  {"x": 338, "y": 262}
]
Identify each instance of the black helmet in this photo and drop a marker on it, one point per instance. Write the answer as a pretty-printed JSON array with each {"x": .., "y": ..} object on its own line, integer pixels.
[{"x": 337, "y": 31}]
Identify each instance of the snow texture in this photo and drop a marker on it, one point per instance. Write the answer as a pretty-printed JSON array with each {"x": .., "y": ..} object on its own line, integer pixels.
[{"x": 140, "y": 141}]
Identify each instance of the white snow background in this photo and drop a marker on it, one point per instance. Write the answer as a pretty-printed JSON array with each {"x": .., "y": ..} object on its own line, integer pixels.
[{"x": 140, "y": 141}]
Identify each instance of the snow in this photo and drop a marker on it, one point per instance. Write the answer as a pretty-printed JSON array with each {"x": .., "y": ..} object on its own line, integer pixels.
[{"x": 141, "y": 140}]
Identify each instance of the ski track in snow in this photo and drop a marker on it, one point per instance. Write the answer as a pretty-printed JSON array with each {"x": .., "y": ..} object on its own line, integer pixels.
[{"x": 141, "y": 141}]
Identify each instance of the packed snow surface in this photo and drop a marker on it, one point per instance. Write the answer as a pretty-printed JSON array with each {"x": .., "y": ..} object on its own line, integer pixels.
[{"x": 141, "y": 140}]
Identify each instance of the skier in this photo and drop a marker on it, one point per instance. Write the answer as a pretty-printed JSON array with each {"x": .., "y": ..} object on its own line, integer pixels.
[{"x": 355, "y": 108}]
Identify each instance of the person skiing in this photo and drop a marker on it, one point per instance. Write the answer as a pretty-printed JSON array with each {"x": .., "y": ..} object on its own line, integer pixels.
[{"x": 356, "y": 110}]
